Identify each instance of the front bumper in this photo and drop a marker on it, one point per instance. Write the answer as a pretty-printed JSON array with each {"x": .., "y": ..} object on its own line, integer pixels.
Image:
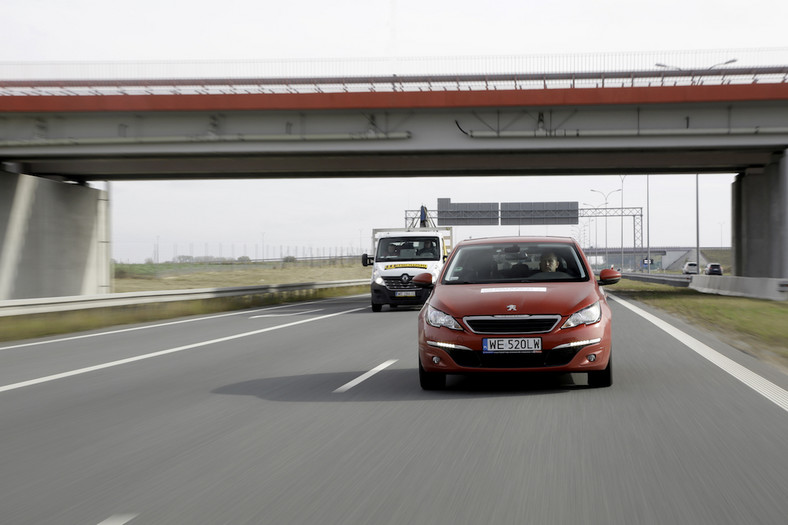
[
  {"x": 583, "y": 350},
  {"x": 411, "y": 295}
]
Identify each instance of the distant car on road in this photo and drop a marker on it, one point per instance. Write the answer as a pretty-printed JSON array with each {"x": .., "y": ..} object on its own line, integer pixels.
[
  {"x": 515, "y": 304},
  {"x": 690, "y": 267},
  {"x": 713, "y": 269}
]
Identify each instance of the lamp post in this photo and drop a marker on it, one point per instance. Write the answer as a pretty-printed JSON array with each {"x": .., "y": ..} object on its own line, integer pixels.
[
  {"x": 596, "y": 231},
  {"x": 648, "y": 224},
  {"x": 667, "y": 66},
  {"x": 606, "y": 196},
  {"x": 720, "y": 234},
  {"x": 697, "y": 222},
  {"x": 622, "y": 220}
]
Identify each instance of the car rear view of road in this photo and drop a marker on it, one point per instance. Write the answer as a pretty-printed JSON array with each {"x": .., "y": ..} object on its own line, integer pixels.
[{"x": 312, "y": 413}]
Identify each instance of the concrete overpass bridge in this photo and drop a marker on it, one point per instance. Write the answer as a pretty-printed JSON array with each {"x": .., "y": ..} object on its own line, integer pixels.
[{"x": 56, "y": 132}]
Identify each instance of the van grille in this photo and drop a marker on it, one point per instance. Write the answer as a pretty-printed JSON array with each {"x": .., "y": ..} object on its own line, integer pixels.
[{"x": 395, "y": 283}]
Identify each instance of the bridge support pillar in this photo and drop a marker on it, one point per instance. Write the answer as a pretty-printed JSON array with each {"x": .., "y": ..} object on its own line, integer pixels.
[
  {"x": 54, "y": 238},
  {"x": 760, "y": 221}
]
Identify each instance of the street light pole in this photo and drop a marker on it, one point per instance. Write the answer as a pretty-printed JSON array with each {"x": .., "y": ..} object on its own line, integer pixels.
[
  {"x": 622, "y": 220},
  {"x": 697, "y": 222},
  {"x": 648, "y": 224},
  {"x": 668, "y": 66},
  {"x": 596, "y": 231},
  {"x": 606, "y": 196}
]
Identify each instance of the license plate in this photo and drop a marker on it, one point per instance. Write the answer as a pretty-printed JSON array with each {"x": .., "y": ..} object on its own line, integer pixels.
[
  {"x": 524, "y": 345},
  {"x": 405, "y": 294}
]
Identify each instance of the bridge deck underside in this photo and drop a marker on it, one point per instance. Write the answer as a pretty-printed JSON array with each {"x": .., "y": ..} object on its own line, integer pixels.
[{"x": 190, "y": 166}]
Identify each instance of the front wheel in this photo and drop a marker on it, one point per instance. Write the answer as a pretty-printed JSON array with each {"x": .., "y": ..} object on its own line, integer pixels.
[
  {"x": 602, "y": 378},
  {"x": 431, "y": 380},
  {"x": 376, "y": 307}
]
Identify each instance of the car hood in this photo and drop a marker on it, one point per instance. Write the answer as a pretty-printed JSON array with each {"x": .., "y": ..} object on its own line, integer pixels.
[{"x": 565, "y": 299}]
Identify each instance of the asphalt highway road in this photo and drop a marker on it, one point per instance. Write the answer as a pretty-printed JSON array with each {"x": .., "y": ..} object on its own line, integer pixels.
[{"x": 311, "y": 413}]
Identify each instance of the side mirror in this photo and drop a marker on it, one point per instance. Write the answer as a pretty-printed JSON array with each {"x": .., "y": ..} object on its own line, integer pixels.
[
  {"x": 366, "y": 260},
  {"x": 609, "y": 276},
  {"x": 423, "y": 280}
]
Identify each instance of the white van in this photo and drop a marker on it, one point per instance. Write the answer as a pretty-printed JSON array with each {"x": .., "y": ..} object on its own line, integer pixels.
[{"x": 400, "y": 255}]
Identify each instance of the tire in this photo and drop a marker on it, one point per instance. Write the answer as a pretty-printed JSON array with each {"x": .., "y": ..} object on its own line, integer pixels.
[
  {"x": 376, "y": 307},
  {"x": 602, "y": 378},
  {"x": 431, "y": 380}
]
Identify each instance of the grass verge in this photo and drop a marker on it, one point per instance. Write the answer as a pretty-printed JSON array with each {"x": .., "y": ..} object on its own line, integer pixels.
[
  {"x": 757, "y": 327},
  {"x": 147, "y": 277}
]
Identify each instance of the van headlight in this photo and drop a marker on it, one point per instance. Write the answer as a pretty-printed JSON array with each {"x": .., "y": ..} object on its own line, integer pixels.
[
  {"x": 438, "y": 319},
  {"x": 589, "y": 315}
]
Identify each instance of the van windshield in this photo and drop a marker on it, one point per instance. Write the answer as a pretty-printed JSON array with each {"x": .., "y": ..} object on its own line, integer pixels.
[{"x": 408, "y": 249}]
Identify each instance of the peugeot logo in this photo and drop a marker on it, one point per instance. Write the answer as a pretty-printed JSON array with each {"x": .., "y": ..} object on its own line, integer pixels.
[
  {"x": 405, "y": 278},
  {"x": 511, "y": 308}
]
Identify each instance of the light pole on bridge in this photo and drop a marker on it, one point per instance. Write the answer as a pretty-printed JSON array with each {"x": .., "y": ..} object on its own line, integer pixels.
[{"x": 668, "y": 66}]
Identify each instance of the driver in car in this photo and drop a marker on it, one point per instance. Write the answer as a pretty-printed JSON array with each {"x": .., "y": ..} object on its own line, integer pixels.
[{"x": 548, "y": 262}]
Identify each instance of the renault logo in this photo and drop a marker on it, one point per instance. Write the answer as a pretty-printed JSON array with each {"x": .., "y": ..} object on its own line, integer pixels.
[
  {"x": 405, "y": 278},
  {"x": 511, "y": 308}
]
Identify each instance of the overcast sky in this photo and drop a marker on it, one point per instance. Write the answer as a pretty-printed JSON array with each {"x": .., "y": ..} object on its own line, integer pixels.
[{"x": 236, "y": 217}]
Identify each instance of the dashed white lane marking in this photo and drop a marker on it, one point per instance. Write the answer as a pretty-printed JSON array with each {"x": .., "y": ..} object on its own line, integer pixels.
[
  {"x": 288, "y": 314},
  {"x": 766, "y": 388},
  {"x": 146, "y": 327},
  {"x": 364, "y": 377},
  {"x": 165, "y": 352},
  {"x": 118, "y": 519}
]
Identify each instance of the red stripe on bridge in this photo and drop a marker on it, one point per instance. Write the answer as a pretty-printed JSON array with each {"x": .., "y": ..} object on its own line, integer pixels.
[{"x": 396, "y": 100}]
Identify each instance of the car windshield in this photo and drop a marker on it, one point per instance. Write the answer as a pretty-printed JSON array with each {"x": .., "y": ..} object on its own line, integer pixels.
[
  {"x": 515, "y": 263},
  {"x": 408, "y": 249}
]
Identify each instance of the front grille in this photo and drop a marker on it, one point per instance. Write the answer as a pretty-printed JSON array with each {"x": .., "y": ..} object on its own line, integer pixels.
[
  {"x": 395, "y": 283},
  {"x": 475, "y": 359},
  {"x": 512, "y": 324}
]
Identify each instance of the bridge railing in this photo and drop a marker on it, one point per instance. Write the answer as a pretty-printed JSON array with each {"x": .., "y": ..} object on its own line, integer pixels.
[
  {"x": 397, "y": 74},
  {"x": 512, "y": 81}
]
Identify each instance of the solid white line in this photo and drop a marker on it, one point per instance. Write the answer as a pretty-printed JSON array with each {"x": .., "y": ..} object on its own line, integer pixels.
[
  {"x": 364, "y": 377},
  {"x": 118, "y": 519},
  {"x": 164, "y": 352},
  {"x": 289, "y": 314},
  {"x": 766, "y": 388},
  {"x": 147, "y": 327}
]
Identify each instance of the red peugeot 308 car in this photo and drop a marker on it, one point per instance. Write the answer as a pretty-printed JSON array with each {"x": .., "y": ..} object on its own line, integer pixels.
[{"x": 513, "y": 304}]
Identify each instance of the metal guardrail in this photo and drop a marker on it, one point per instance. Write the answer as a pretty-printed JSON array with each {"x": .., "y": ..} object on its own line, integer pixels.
[
  {"x": 682, "y": 281},
  {"x": 73, "y": 303}
]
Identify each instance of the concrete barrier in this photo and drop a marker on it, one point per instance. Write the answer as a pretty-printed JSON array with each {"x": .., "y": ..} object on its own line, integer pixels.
[{"x": 755, "y": 287}]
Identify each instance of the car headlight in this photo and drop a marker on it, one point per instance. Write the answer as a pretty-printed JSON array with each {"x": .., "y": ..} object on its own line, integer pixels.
[
  {"x": 377, "y": 278},
  {"x": 589, "y": 315},
  {"x": 437, "y": 318}
]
